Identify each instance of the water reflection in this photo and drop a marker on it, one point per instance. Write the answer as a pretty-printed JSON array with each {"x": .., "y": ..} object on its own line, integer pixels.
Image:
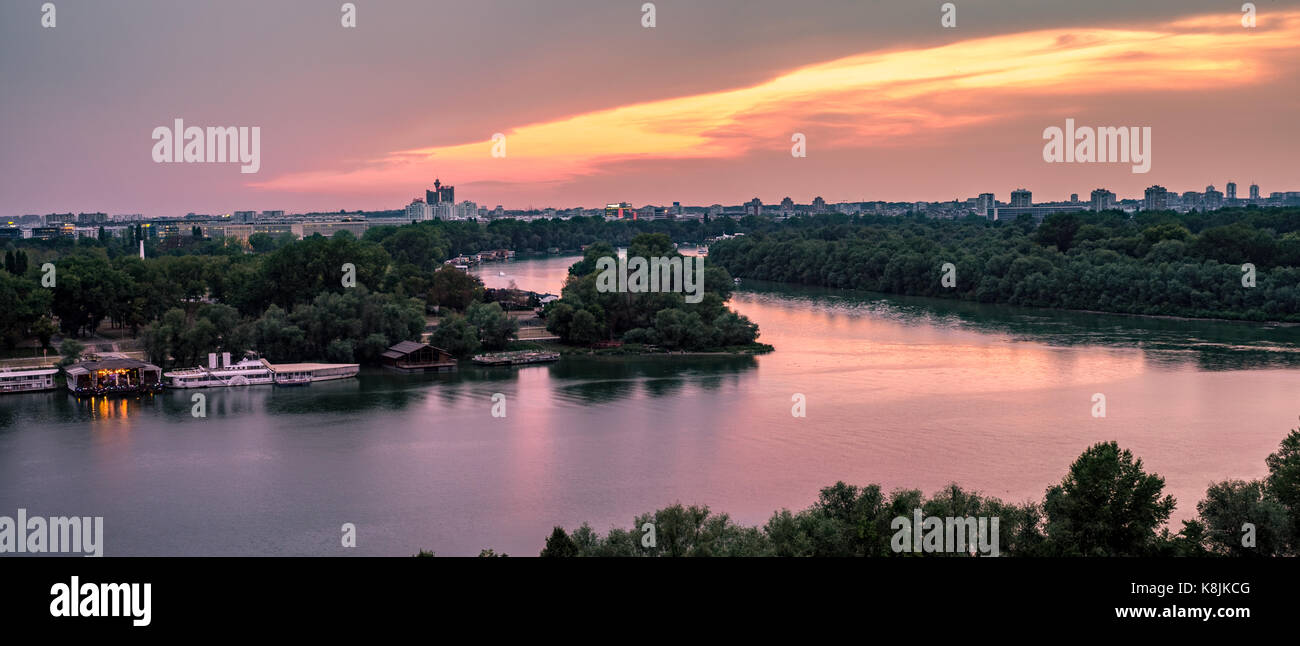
[{"x": 1208, "y": 344}]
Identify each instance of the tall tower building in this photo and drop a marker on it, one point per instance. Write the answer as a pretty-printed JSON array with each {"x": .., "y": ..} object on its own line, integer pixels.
[
  {"x": 1156, "y": 198},
  {"x": 440, "y": 193},
  {"x": 1022, "y": 197},
  {"x": 1232, "y": 190},
  {"x": 1254, "y": 191}
]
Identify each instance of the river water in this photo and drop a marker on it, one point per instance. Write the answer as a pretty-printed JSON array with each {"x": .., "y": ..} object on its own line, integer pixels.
[{"x": 901, "y": 392}]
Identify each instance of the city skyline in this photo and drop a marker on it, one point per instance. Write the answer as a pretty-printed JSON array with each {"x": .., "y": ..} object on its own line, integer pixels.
[{"x": 700, "y": 109}]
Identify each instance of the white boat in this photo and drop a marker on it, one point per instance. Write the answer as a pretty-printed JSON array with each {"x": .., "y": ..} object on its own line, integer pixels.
[
  {"x": 249, "y": 372},
  {"x": 18, "y": 380},
  {"x": 301, "y": 374}
]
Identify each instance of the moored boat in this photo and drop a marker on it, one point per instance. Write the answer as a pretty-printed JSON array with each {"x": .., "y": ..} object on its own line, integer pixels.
[
  {"x": 18, "y": 380},
  {"x": 302, "y": 374},
  {"x": 248, "y": 372}
]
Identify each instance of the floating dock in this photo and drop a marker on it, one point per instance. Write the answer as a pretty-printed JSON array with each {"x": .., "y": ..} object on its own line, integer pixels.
[{"x": 516, "y": 358}]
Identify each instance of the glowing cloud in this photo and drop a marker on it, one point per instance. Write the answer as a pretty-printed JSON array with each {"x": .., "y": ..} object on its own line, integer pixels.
[{"x": 874, "y": 99}]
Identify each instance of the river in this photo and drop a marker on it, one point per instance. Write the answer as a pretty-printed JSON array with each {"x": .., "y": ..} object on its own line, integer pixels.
[{"x": 902, "y": 392}]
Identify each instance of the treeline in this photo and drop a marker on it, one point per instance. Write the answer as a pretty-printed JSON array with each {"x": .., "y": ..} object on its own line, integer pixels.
[
  {"x": 1156, "y": 263},
  {"x": 1106, "y": 505},
  {"x": 338, "y": 299},
  {"x": 585, "y": 315}
]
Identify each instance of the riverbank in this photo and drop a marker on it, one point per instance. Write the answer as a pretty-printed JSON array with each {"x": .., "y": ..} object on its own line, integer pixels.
[{"x": 639, "y": 350}]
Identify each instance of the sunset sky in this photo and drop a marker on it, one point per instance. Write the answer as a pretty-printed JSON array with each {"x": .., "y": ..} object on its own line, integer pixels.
[{"x": 596, "y": 108}]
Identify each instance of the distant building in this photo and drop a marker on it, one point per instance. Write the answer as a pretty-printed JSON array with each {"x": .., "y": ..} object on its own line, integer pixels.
[
  {"x": 1037, "y": 212},
  {"x": 418, "y": 211},
  {"x": 617, "y": 211},
  {"x": 1021, "y": 198},
  {"x": 440, "y": 194},
  {"x": 754, "y": 207},
  {"x": 1232, "y": 190},
  {"x": 984, "y": 204},
  {"x": 328, "y": 229},
  {"x": 1102, "y": 199},
  {"x": 818, "y": 205},
  {"x": 1213, "y": 199},
  {"x": 1074, "y": 197},
  {"x": 1155, "y": 199},
  {"x": 1254, "y": 191}
]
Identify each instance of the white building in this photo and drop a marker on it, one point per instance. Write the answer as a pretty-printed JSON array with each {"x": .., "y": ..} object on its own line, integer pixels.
[{"x": 417, "y": 211}]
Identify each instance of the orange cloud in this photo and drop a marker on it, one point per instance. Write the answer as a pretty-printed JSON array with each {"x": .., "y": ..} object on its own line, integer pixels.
[{"x": 873, "y": 99}]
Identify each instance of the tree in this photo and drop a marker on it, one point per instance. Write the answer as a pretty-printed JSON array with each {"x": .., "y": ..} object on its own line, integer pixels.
[
  {"x": 1226, "y": 509},
  {"x": 1106, "y": 506},
  {"x": 559, "y": 545},
  {"x": 584, "y": 329},
  {"x": 44, "y": 329},
  {"x": 455, "y": 335},
  {"x": 71, "y": 350},
  {"x": 1283, "y": 481},
  {"x": 454, "y": 288},
  {"x": 495, "y": 328}
]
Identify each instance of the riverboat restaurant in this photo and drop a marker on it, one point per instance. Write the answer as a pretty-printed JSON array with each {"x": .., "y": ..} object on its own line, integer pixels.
[
  {"x": 109, "y": 376},
  {"x": 412, "y": 356}
]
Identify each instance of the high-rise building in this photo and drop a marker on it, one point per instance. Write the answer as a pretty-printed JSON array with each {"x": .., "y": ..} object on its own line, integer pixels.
[
  {"x": 418, "y": 211},
  {"x": 1021, "y": 198},
  {"x": 984, "y": 204},
  {"x": 1074, "y": 197},
  {"x": 440, "y": 193},
  {"x": 466, "y": 210},
  {"x": 754, "y": 207},
  {"x": 1102, "y": 199},
  {"x": 1232, "y": 190},
  {"x": 1156, "y": 198},
  {"x": 818, "y": 205},
  {"x": 1213, "y": 198},
  {"x": 1254, "y": 191}
]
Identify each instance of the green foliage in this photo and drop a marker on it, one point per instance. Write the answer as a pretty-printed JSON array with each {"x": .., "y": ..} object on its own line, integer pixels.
[
  {"x": 1283, "y": 483},
  {"x": 559, "y": 545},
  {"x": 70, "y": 350},
  {"x": 495, "y": 328},
  {"x": 453, "y": 288},
  {"x": 1106, "y": 506},
  {"x": 584, "y": 314},
  {"x": 456, "y": 335},
  {"x": 1229, "y": 505},
  {"x": 1151, "y": 263}
]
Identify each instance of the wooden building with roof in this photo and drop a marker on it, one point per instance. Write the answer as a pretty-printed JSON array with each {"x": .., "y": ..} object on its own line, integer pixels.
[{"x": 413, "y": 356}]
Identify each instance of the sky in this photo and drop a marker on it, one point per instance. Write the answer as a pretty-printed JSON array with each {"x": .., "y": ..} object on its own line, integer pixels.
[{"x": 595, "y": 107}]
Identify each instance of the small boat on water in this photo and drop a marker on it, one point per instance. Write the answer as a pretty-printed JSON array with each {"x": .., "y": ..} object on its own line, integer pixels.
[
  {"x": 515, "y": 358},
  {"x": 702, "y": 250}
]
